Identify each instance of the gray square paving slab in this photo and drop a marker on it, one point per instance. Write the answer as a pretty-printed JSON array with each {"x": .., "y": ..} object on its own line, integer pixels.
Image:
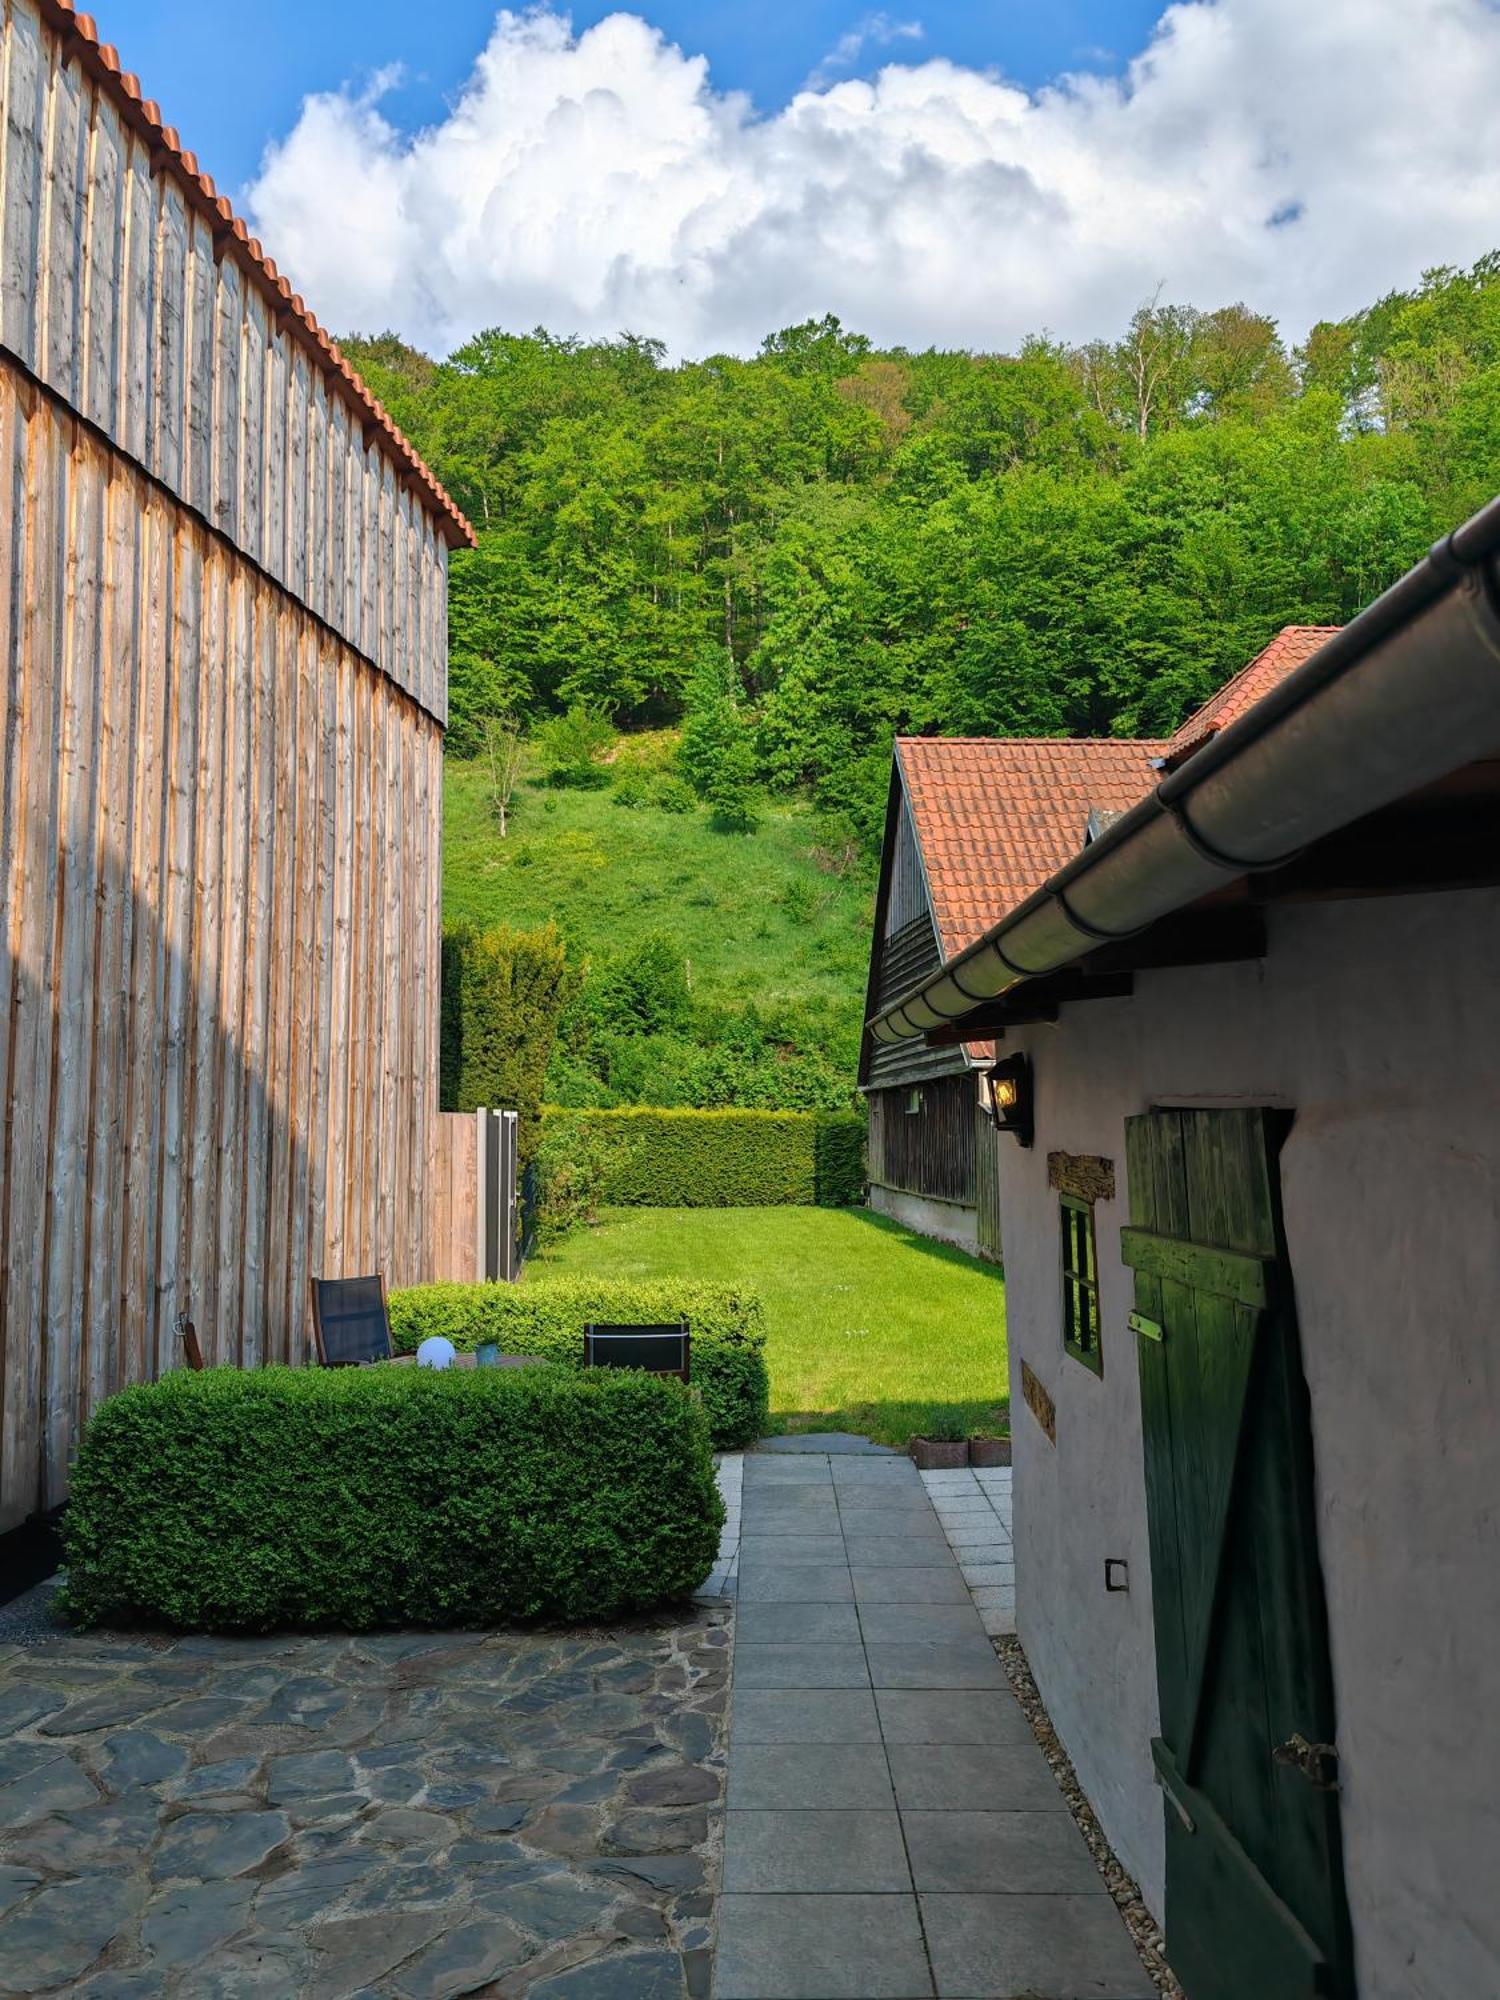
[
  {"x": 953, "y": 1663},
  {"x": 796, "y": 1625},
  {"x": 895, "y": 1551},
  {"x": 809, "y": 1666},
  {"x": 877, "y": 1475},
  {"x": 761, "y": 1471},
  {"x": 789, "y": 1521},
  {"x": 1030, "y": 1853},
  {"x": 803, "y": 1715},
  {"x": 814, "y": 1853},
  {"x": 788, "y": 1493},
  {"x": 881, "y": 1515},
  {"x": 834, "y": 1777},
  {"x": 820, "y": 1948},
  {"x": 816, "y": 1548},
  {"x": 763, "y": 1582},
  {"x": 893, "y": 1624},
  {"x": 988, "y": 1947},
  {"x": 974, "y": 1777},
  {"x": 834, "y": 1443},
  {"x": 893, "y": 1583},
  {"x": 922, "y": 1715}
]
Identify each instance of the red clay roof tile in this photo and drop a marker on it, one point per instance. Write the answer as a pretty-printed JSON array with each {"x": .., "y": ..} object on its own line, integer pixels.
[
  {"x": 995, "y": 816},
  {"x": 1292, "y": 645}
]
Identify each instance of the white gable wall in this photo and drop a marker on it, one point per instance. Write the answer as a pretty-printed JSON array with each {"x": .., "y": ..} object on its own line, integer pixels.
[{"x": 1376, "y": 1022}]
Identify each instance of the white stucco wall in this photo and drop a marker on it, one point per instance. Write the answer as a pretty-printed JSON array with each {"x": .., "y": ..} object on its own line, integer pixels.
[
  {"x": 945, "y": 1221},
  {"x": 1378, "y": 1023}
]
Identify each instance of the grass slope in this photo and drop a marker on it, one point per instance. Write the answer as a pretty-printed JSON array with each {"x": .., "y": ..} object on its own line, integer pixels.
[
  {"x": 869, "y": 1328},
  {"x": 755, "y": 914}
]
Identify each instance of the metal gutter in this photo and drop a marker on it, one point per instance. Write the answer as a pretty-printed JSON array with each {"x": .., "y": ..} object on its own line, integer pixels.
[{"x": 1404, "y": 694}]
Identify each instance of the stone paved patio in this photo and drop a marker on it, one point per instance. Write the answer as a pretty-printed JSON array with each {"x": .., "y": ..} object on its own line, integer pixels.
[
  {"x": 893, "y": 1832},
  {"x": 400, "y": 1815}
]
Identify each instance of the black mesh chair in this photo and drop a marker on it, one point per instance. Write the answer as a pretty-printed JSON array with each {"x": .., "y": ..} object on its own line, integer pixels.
[
  {"x": 350, "y": 1323},
  {"x": 659, "y": 1350}
]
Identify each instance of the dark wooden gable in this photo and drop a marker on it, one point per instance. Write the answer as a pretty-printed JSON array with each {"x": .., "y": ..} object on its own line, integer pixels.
[{"x": 905, "y": 948}]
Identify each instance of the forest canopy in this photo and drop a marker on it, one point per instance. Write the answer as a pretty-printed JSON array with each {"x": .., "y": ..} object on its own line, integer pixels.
[
  {"x": 852, "y": 541},
  {"x": 764, "y": 568}
]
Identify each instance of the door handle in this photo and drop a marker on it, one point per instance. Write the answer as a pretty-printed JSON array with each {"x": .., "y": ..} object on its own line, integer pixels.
[{"x": 1317, "y": 1762}]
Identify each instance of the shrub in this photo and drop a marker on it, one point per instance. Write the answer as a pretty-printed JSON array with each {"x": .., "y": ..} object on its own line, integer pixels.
[
  {"x": 722, "y": 1159},
  {"x": 670, "y": 795},
  {"x": 543, "y": 1315},
  {"x": 570, "y": 747},
  {"x": 243, "y": 1500},
  {"x": 503, "y": 994},
  {"x": 573, "y": 1168}
]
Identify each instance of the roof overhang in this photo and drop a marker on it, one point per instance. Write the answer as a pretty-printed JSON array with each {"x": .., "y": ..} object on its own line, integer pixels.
[{"x": 1389, "y": 710}]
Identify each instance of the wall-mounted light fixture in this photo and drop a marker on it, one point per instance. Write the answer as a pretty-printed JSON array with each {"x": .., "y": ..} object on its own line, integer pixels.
[{"x": 1012, "y": 1105}]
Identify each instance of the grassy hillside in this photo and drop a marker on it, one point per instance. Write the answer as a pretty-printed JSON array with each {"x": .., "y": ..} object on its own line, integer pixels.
[{"x": 768, "y": 920}]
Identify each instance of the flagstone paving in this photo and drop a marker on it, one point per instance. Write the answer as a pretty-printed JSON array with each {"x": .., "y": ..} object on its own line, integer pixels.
[
  {"x": 892, "y": 1830},
  {"x": 404, "y": 1815}
]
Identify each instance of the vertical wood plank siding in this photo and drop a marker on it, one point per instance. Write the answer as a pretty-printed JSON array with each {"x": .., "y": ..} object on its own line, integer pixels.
[
  {"x": 927, "y": 1152},
  {"x": 111, "y": 293},
  {"x": 223, "y": 626},
  {"x": 987, "y": 1144},
  {"x": 201, "y": 1103}
]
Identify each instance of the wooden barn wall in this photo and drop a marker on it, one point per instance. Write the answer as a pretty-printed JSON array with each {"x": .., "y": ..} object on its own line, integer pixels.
[
  {"x": 220, "y": 844},
  {"x": 927, "y": 1152},
  {"x": 457, "y": 1247},
  {"x": 987, "y": 1144},
  {"x": 111, "y": 293},
  {"x": 907, "y": 898}
]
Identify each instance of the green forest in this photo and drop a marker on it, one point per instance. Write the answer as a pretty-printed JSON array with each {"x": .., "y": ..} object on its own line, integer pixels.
[{"x": 708, "y": 593}]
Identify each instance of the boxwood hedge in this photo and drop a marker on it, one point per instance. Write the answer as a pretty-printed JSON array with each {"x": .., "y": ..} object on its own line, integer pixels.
[
  {"x": 726, "y": 1159},
  {"x": 245, "y": 1500},
  {"x": 544, "y": 1315}
]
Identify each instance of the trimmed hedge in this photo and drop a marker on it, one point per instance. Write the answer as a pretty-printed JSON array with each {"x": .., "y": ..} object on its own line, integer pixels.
[
  {"x": 547, "y": 1316},
  {"x": 245, "y": 1500},
  {"x": 727, "y": 1159},
  {"x": 503, "y": 993}
]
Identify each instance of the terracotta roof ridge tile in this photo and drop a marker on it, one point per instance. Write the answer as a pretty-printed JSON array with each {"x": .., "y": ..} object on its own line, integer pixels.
[{"x": 102, "y": 62}]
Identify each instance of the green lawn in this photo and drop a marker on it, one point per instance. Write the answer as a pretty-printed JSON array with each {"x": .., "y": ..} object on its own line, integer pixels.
[
  {"x": 869, "y": 1328},
  {"x": 755, "y": 913}
]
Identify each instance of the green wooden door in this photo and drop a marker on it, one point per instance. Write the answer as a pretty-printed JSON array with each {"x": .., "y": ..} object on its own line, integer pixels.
[{"x": 1255, "y": 1901}]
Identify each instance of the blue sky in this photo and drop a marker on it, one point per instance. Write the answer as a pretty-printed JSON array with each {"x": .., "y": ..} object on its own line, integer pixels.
[
  {"x": 232, "y": 76},
  {"x": 705, "y": 171}
]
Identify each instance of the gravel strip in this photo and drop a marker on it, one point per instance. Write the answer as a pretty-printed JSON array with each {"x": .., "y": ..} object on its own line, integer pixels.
[{"x": 1144, "y": 1930}]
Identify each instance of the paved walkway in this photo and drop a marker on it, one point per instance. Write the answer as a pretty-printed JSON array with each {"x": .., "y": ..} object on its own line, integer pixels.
[
  {"x": 397, "y": 1815},
  {"x": 892, "y": 1830},
  {"x": 974, "y": 1508}
]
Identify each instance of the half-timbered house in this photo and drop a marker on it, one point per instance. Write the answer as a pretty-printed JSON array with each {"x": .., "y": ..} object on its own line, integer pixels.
[{"x": 224, "y": 628}]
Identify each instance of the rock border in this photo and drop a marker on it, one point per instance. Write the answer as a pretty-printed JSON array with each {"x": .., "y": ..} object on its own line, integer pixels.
[{"x": 1145, "y": 1932}]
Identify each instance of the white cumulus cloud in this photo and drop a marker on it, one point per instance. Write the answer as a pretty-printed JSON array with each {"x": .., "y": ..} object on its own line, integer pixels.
[{"x": 1303, "y": 155}]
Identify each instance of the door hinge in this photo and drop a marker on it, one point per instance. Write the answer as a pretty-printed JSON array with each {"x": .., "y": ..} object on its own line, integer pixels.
[
  {"x": 1152, "y": 1329},
  {"x": 1318, "y": 1762}
]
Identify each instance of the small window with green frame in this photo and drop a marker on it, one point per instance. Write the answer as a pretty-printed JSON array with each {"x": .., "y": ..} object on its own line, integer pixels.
[{"x": 1080, "y": 1282}]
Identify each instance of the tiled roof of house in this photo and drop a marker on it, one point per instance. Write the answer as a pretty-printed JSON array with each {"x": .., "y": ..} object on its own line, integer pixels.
[
  {"x": 995, "y": 816},
  {"x": 1292, "y": 645},
  {"x": 102, "y": 62}
]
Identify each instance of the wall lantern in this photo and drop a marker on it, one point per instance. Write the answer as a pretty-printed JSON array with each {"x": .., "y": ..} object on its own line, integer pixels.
[{"x": 1012, "y": 1102}]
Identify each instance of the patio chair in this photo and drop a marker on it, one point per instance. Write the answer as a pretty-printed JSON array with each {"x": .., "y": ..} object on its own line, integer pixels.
[
  {"x": 350, "y": 1323},
  {"x": 659, "y": 1350}
]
